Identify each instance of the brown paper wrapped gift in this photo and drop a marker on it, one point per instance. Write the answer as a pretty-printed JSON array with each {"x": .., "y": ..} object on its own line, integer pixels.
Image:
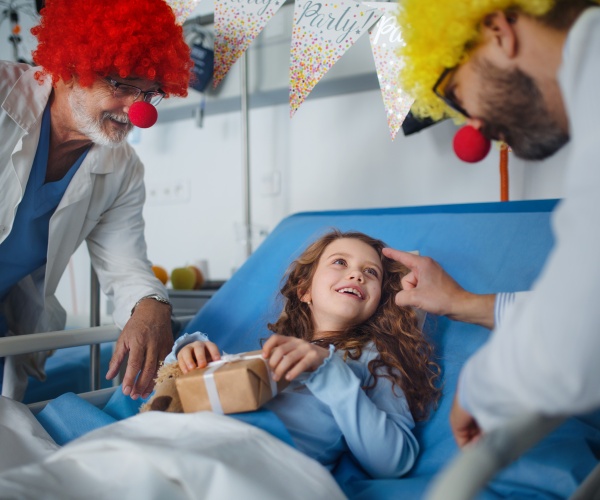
[{"x": 237, "y": 383}]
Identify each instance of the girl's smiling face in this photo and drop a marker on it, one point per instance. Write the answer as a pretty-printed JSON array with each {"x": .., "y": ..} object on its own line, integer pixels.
[{"x": 346, "y": 286}]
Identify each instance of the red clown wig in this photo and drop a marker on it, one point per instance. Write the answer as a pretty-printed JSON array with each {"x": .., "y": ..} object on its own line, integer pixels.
[{"x": 124, "y": 38}]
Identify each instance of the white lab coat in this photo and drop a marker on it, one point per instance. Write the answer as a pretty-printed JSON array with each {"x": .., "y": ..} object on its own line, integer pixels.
[
  {"x": 102, "y": 205},
  {"x": 544, "y": 356}
]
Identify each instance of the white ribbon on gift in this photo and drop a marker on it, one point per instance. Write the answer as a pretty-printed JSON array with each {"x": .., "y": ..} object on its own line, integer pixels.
[{"x": 213, "y": 366}]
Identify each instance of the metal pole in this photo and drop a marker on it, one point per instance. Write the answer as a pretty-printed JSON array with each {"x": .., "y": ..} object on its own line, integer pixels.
[
  {"x": 94, "y": 321},
  {"x": 246, "y": 152}
]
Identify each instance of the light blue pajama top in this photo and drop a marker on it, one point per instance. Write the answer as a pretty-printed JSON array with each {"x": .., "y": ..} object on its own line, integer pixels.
[{"x": 327, "y": 413}]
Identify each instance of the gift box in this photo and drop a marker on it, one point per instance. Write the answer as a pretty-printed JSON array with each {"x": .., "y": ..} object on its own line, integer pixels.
[{"x": 236, "y": 383}]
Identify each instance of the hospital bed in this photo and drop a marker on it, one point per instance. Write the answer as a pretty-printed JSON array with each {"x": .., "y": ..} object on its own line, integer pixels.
[{"x": 487, "y": 247}]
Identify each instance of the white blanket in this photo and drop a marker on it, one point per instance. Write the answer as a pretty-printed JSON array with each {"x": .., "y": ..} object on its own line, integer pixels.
[{"x": 155, "y": 455}]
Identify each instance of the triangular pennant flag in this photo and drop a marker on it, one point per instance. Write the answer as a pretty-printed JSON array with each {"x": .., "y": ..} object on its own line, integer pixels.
[
  {"x": 182, "y": 8},
  {"x": 237, "y": 24},
  {"x": 385, "y": 39},
  {"x": 322, "y": 33}
]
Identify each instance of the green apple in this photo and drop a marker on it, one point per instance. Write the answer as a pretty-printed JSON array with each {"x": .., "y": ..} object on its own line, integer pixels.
[{"x": 183, "y": 278}]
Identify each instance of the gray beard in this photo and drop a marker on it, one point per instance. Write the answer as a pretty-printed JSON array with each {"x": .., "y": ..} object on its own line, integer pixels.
[{"x": 91, "y": 127}]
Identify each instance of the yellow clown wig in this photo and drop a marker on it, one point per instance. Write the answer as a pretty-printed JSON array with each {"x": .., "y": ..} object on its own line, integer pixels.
[{"x": 437, "y": 34}]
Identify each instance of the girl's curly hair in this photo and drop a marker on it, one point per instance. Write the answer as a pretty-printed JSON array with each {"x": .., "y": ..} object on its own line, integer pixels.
[
  {"x": 405, "y": 355},
  {"x": 122, "y": 38}
]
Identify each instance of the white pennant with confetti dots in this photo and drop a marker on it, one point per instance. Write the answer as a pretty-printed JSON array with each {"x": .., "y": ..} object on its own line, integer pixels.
[
  {"x": 237, "y": 24},
  {"x": 182, "y": 8},
  {"x": 323, "y": 31},
  {"x": 385, "y": 39}
]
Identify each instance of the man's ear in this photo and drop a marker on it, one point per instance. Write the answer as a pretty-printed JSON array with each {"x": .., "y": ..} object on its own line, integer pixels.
[
  {"x": 68, "y": 83},
  {"x": 500, "y": 28}
]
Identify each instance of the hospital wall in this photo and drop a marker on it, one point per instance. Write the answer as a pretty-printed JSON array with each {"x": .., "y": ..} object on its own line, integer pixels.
[{"x": 336, "y": 152}]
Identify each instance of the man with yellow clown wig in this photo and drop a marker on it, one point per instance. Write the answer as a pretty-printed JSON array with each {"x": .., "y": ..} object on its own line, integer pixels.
[
  {"x": 68, "y": 175},
  {"x": 525, "y": 72}
]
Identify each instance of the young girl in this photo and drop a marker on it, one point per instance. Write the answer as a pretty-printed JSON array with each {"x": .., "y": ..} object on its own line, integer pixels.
[{"x": 358, "y": 365}]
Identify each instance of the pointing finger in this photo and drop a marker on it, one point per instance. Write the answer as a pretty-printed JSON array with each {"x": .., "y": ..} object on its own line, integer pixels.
[{"x": 410, "y": 260}]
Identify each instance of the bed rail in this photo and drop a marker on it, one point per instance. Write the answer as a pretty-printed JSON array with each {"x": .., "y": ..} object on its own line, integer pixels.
[
  {"x": 478, "y": 463},
  {"x": 47, "y": 341},
  {"x": 60, "y": 339}
]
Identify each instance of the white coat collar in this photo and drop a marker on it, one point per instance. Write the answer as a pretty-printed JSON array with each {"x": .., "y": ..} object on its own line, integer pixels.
[{"x": 25, "y": 102}]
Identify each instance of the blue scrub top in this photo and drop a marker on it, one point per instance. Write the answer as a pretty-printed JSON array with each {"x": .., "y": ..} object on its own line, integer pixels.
[{"x": 26, "y": 247}]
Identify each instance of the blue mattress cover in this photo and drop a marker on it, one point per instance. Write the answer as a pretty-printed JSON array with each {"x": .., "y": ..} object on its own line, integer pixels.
[{"x": 488, "y": 247}]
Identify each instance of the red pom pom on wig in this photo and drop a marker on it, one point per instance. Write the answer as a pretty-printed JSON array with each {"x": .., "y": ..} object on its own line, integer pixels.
[{"x": 124, "y": 38}]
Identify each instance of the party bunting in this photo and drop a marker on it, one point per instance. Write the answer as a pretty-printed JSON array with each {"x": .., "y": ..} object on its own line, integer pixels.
[
  {"x": 322, "y": 33},
  {"x": 385, "y": 39},
  {"x": 182, "y": 8},
  {"x": 237, "y": 24}
]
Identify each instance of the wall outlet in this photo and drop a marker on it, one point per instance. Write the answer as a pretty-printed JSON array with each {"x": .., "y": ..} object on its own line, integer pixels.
[{"x": 168, "y": 192}]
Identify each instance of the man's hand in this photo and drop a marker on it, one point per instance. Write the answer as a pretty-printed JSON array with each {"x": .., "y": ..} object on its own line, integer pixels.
[
  {"x": 428, "y": 287},
  {"x": 148, "y": 338},
  {"x": 464, "y": 427}
]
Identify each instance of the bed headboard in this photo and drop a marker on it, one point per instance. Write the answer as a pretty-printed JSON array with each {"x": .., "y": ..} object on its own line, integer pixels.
[{"x": 486, "y": 247}]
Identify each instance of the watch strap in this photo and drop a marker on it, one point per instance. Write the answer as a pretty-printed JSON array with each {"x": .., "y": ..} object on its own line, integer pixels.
[{"x": 156, "y": 297}]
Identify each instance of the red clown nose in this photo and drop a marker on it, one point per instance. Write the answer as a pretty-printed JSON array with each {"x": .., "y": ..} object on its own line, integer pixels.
[
  {"x": 470, "y": 145},
  {"x": 143, "y": 114}
]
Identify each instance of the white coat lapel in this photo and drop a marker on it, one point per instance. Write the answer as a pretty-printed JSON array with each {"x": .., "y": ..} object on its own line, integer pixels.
[{"x": 71, "y": 223}]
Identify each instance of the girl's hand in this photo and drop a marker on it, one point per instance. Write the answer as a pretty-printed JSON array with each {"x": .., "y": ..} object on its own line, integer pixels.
[
  {"x": 289, "y": 357},
  {"x": 197, "y": 355}
]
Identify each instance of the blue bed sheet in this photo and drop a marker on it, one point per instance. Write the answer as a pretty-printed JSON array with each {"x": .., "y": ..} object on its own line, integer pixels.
[
  {"x": 69, "y": 416},
  {"x": 487, "y": 247},
  {"x": 68, "y": 370}
]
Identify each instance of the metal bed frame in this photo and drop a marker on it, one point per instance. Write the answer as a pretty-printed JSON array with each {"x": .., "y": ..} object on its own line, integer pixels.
[
  {"x": 47, "y": 341},
  {"x": 477, "y": 464}
]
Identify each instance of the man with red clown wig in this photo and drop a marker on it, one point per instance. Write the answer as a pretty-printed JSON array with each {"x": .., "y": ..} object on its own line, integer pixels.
[
  {"x": 68, "y": 175},
  {"x": 525, "y": 72}
]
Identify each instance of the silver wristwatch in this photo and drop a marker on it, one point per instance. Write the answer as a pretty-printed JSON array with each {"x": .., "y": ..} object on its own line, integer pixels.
[{"x": 155, "y": 297}]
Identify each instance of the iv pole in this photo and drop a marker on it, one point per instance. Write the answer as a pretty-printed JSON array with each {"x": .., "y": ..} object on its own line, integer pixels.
[{"x": 246, "y": 153}]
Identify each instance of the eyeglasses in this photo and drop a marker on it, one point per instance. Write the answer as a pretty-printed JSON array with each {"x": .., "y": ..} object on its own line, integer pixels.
[
  {"x": 125, "y": 91},
  {"x": 439, "y": 90}
]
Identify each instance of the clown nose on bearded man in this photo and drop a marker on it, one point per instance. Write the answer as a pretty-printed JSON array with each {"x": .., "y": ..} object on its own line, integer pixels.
[
  {"x": 470, "y": 145},
  {"x": 142, "y": 114}
]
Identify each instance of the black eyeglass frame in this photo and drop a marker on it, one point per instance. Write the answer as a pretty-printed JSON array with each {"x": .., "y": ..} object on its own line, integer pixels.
[
  {"x": 149, "y": 95},
  {"x": 449, "y": 102}
]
